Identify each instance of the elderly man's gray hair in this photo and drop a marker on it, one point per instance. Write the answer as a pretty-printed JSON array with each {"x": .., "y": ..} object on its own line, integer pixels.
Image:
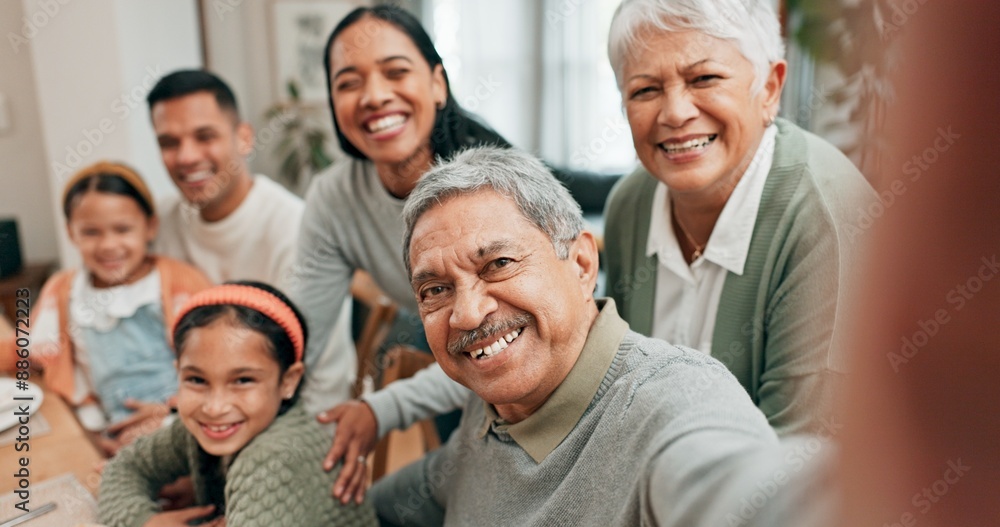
[
  {"x": 541, "y": 198},
  {"x": 751, "y": 24}
]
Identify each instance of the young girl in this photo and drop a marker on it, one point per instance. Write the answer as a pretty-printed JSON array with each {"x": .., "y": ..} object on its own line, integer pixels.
[
  {"x": 101, "y": 332},
  {"x": 253, "y": 453}
]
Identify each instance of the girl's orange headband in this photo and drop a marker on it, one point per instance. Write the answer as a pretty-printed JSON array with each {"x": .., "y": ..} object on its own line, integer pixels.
[
  {"x": 254, "y": 298},
  {"x": 115, "y": 169}
]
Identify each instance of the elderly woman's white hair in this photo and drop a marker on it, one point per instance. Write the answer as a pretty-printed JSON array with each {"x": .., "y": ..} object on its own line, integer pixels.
[{"x": 751, "y": 24}]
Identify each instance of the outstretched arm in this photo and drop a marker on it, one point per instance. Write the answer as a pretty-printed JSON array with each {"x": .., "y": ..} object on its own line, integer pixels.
[
  {"x": 360, "y": 424},
  {"x": 427, "y": 394},
  {"x": 742, "y": 484}
]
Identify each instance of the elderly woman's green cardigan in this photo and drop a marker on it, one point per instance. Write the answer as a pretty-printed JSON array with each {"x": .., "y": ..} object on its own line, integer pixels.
[{"x": 776, "y": 323}]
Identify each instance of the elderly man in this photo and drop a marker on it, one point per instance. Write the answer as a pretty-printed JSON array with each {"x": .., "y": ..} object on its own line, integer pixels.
[{"x": 574, "y": 419}]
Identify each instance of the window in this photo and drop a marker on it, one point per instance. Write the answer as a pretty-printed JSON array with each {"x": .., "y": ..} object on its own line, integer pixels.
[{"x": 538, "y": 72}]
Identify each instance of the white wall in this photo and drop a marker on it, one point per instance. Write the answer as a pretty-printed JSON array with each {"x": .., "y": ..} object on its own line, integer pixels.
[
  {"x": 94, "y": 62},
  {"x": 492, "y": 61},
  {"x": 240, "y": 49},
  {"x": 169, "y": 39},
  {"x": 23, "y": 169},
  {"x": 78, "y": 65}
]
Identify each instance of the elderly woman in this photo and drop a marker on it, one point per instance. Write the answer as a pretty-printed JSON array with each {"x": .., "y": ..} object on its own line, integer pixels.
[{"x": 734, "y": 237}]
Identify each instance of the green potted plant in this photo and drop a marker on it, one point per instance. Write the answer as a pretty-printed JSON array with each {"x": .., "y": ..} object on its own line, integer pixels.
[{"x": 303, "y": 140}]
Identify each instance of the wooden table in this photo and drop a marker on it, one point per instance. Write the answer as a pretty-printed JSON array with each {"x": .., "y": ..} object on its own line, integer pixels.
[{"x": 65, "y": 448}]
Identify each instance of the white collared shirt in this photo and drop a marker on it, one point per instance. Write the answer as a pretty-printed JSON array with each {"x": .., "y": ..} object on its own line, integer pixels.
[{"x": 686, "y": 300}]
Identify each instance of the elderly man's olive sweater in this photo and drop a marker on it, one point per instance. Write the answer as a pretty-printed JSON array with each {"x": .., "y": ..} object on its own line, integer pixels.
[{"x": 276, "y": 480}]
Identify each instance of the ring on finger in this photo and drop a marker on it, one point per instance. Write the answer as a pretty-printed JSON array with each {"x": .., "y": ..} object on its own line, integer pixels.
[{"x": 362, "y": 459}]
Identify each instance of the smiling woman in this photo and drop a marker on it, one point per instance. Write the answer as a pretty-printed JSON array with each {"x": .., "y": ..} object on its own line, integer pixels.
[
  {"x": 394, "y": 115},
  {"x": 693, "y": 123},
  {"x": 733, "y": 236},
  {"x": 390, "y": 97},
  {"x": 385, "y": 100}
]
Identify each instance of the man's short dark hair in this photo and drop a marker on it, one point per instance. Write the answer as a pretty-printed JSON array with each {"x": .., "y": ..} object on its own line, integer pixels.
[{"x": 186, "y": 82}]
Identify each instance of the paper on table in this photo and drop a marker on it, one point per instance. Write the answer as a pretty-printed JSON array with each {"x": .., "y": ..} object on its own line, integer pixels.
[{"x": 74, "y": 505}]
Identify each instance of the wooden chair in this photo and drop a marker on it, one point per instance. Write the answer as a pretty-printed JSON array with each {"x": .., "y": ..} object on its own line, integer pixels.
[
  {"x": 381, "y": 314},
  {"x": 402, "y": 362}
]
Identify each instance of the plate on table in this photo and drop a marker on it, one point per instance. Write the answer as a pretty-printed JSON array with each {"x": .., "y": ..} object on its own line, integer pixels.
[{"x": 10, "y": 406}]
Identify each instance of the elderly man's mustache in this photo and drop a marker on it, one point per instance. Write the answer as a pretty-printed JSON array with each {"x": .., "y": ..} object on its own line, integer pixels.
[{"x": 489, "y": 327}]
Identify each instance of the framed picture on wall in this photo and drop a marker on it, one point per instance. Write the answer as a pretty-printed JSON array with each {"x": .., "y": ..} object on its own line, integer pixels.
[{"x": 299, "y": 30}]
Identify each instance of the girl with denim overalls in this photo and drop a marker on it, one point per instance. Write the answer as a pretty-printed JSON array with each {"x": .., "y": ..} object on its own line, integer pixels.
[{"x": 100, "y": 333}]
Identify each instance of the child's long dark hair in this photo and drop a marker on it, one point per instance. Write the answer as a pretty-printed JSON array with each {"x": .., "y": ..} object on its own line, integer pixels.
[
  {"x": 454, "y": 129},
  {"x": 280, "y": 345}
]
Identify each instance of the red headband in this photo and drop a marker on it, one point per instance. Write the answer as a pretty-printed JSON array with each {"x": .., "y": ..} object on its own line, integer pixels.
[{"x": 254, "y": 298}]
